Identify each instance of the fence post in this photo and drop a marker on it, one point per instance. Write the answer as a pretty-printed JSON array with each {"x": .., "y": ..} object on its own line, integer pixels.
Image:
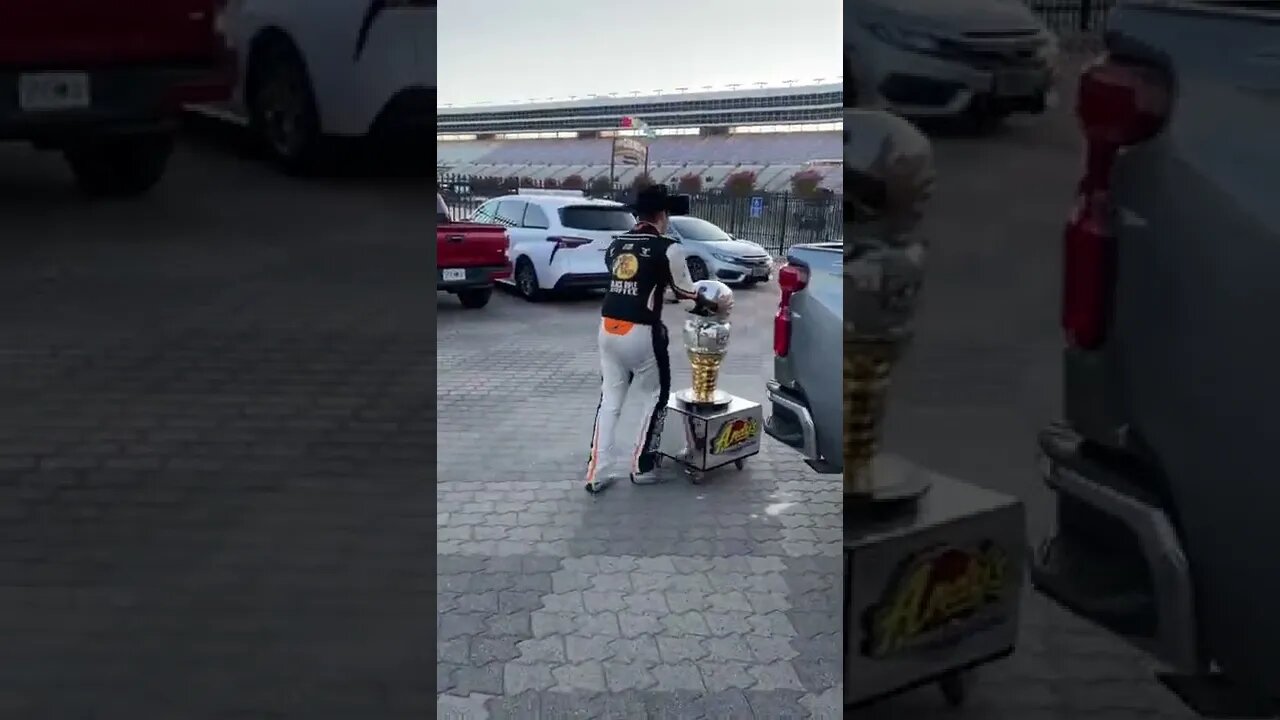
[{"x": 782, "y": 228}]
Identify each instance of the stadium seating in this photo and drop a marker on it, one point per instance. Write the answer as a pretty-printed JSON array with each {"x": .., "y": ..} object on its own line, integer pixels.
[{"x": 774, "y": 157}]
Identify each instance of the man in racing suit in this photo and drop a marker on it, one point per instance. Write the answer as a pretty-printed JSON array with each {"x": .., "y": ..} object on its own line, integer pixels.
[{"x": 632, "y": 338}]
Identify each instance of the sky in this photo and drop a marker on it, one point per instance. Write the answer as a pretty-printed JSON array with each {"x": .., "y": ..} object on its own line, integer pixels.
[{"x": 508, "y": 51}]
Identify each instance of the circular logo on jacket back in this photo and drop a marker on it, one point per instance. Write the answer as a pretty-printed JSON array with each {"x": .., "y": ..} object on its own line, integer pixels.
[{"x": 625, "y": 266}]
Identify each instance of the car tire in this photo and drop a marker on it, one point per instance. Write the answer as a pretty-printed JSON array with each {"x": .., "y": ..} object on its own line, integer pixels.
[
  {"x": 476, "y": 298},
  {"x": 120, "y": 166},
  {"x": 526, "y": 279},
  {"x": 698, "y": 269},
  {"x": 283, "y": 114}
]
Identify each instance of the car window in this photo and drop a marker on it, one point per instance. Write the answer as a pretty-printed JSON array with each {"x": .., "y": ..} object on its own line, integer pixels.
[
  {"x": 535, "y": 218},
  {"x": 510, "y": 213},
  {"x": 698, "y": 230},
  {"x": 484, "y": 213},
  {"x": 596, "y": 217}
]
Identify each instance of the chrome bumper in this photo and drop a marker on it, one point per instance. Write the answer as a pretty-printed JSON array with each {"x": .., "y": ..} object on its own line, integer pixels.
[{"x": 807, "y": 443}]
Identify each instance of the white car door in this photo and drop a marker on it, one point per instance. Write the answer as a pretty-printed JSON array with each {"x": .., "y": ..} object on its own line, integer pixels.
[
  {"x": 535, "y": 229},
  {"x": 525, "y": 242}
]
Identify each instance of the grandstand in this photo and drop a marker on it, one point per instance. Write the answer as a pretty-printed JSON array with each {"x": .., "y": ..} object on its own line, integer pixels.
[{"x": 774, "y": 132}]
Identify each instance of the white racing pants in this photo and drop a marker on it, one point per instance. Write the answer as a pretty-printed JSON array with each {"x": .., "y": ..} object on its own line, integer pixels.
[{"x": 633, "y": 363}]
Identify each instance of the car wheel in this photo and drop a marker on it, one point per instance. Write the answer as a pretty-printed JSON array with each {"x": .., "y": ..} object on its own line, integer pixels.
[
  {"x": 282, "y": 106},
  {"x": 475, "y": 299},
  {"x": 527, "y": 281},
  {"x": 698, "y": 269},
  {"x": 122, "y": 166}
]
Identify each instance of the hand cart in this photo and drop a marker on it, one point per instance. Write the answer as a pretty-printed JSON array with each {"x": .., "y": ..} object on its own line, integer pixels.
[{"x": 706, "y": 437}]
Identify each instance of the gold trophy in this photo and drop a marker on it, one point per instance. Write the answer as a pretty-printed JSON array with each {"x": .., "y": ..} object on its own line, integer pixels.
[
  {"x": 713, "y": 428},
  {"x": 706, "y": 341},
  {"x": 888, "y": 178}
]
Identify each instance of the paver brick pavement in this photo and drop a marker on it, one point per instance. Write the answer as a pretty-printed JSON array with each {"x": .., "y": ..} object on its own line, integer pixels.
[
  {"x": 215, "y": 438},
  {"x": 675, "y": 600}
]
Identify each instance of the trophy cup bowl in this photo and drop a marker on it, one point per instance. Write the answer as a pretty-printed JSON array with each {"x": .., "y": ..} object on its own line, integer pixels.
[
  {"x": 706, "y": 334},
  {"x": 889, "y": 177}
]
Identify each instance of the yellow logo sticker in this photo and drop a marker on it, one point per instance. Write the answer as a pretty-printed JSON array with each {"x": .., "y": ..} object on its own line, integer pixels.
[
  {"x": 933, "y": 592},
  {"x": 735, "y": 435},
  {"x": 625, "y": 266}
]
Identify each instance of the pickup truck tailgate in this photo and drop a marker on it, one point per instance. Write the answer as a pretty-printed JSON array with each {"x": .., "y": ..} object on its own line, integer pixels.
[
  {"x": 52, "y": 33},
  {"x": 461, "y": 245}
]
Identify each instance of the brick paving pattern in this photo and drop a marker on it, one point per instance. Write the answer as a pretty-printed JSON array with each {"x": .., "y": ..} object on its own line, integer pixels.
[
  {"x": 676, "y": 600},
  {"x": 214, "y": 448}
]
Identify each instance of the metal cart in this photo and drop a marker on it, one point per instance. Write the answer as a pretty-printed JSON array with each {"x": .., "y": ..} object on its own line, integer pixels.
[
  {"x": 706, "y": 438},
  {"x": 932, "y": 588}
]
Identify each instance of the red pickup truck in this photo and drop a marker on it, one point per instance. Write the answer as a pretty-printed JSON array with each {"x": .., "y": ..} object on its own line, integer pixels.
[
  {"x": 104, "y": 82},
  {"x": 469, "y": 258}
]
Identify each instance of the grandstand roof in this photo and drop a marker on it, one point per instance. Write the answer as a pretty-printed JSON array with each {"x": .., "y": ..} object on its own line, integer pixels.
[{"x": 605, "y": 102}]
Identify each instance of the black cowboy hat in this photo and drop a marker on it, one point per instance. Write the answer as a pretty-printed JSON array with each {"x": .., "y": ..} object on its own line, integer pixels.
[{"x": 658, "y": 198}]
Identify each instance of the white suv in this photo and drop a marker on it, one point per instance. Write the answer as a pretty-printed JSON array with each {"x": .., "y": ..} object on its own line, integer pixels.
[{"x": 558, "y": 238}]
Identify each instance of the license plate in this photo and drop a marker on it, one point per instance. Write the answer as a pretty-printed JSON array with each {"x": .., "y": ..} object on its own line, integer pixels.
[
  {"x": 760, "y": 272},
  {"x": 453, "y": 274},
  {"x": 1019, "y": 83},
  {"x": 53, "y": 91}
]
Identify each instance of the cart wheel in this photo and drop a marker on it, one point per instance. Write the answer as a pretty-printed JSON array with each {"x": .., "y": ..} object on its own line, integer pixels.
[
  {"x": 740, "y": 463},
  {"x": 695, "y": 476},
  {"x": 955, "y": 689}
]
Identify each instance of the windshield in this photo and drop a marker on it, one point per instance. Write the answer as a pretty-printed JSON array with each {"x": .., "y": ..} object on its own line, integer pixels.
[
  {"x": 692, "y": 228},
  {"x": 442, "y": 211},
  {"x": 600, "y": 217}
]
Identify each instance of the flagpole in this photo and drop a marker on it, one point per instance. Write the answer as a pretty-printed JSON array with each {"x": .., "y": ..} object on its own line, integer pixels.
[{"x": 613, "y": 152}]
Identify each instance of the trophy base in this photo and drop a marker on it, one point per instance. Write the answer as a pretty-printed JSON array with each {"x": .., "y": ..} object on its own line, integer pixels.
[
  {"x": 896, "y": 487},
  {"x": 703, "y": 439},
  {"x": 956, "y": 533},
  {"x": 718, "y": 400}
]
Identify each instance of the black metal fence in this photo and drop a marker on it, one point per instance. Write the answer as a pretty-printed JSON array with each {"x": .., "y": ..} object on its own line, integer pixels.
[
  {"x": 1073, "y": 16},
  {"x": 774, "y": 220}
]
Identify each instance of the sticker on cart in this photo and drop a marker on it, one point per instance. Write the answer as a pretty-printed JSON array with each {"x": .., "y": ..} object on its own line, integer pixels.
[
  {"x": 937, "y": 597},
  {"x": 735, "y": 435}
]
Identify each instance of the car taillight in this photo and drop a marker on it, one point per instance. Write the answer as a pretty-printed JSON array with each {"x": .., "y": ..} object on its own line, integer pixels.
[
  {"x": 791, "y": 280},
  {"x": 563, "y": 242},
  {"x": 1120, "y": 104}
]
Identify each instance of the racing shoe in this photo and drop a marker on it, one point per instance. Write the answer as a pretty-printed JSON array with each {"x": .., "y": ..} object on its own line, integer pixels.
[
  {"x": 598, "y": 486},
  {"x": 647, "y": 471},
  {"x": 647, "y": 477}
]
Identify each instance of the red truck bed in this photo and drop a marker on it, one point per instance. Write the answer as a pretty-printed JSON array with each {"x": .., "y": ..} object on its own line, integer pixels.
[
  {"x": 104, "y": 81},
  {"x": 72, "y": 33},
  {"x": 469, "y": 257}
]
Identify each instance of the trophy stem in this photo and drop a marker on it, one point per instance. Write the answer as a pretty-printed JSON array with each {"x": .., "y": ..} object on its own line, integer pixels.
[
  {"x": 706, "y": 373},
  {"x": 867, "y": 365}
]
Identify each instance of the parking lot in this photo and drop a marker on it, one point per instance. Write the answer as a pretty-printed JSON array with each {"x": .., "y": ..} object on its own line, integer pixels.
[{"x": 555, "y": 604}]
